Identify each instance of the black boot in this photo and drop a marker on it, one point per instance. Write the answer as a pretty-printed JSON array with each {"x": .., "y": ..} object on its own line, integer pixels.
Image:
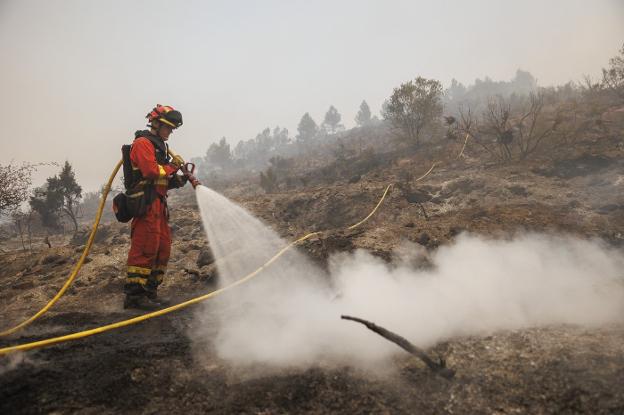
[
  {"x": 140, "y": 302},
  {"x": 152, "y": 295}
]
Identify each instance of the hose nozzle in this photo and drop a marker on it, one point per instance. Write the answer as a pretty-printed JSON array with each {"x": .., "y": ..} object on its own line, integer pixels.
[{"x": 188, "y": 169}]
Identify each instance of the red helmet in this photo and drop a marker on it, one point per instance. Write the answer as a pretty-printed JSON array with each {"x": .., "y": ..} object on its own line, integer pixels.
[{"x": 166, "y": 114}]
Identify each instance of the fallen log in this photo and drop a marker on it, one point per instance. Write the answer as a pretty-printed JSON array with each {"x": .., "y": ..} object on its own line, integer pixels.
[{"x": 436, "y": 367}]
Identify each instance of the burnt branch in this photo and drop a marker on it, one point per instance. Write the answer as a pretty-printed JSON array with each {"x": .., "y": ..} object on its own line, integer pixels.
[{"x": 437, "y": 367}]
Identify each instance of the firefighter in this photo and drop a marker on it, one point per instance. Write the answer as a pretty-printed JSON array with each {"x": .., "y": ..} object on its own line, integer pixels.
[{"x": 154, "y": 172}]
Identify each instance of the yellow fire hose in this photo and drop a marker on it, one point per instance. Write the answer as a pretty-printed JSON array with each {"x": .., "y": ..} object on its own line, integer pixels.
[
  {"x": 138, "y": 319},
  {"x": 85, "y": 252}
]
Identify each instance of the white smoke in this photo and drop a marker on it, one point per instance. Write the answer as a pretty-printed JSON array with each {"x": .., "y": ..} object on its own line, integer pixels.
[
  {"x": 13, "y": 361},
  {"x": 289, "y": 316}
]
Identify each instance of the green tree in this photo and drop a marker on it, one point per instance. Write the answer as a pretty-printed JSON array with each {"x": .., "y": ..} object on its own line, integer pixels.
[
  {"x": 363, "y": 116},
  {"x": 47, "y": 204},
  {"x": 307, "y": 130},
  {"x": 59, "y": 196},
  {"x": 70, "y": 191},
  {"x": 331, "y": 123},
  {"x": 413, "y": 106}
]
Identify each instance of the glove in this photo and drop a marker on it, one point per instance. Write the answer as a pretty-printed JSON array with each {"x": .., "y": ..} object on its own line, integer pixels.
[
  {"x": 177, "y": 181},
  {"x": 177, "y": 161}
]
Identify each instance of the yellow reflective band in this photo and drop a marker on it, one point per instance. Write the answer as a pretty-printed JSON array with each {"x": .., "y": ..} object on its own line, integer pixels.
[
  {"x": 167, "y": 122},
  {"x": 137, "y": 280},
  {"x": 161, "y": 171},
  {"x": 139, "y": 270},
  {"x": 135, "y": 195},
  {"x": 161, "y": 182}
]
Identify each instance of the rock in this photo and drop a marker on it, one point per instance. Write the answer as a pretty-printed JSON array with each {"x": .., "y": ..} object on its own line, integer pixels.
[
  {"x": 51, "y": 258},
  {"x": 424, "y": 239},
  {"x": 518, "y": 190},
  {"x": 481, "y": 213},
  {"x": 609, "y": 208},
  {"x": 24, "y": 285},
  {"x": 464, "y": 186},
  {"x": 192, "y": 246},
  {"x": 574, "y": 204},
  {"x": 82, "y": 235},
  {"x": 138, "y": 375},
  {"x": 120, "y": 239},
  {"x": 175, "y": 227},
  {"x": 409, "y": 225},
  {"x": 355, "y": 179},
  {"x": 418, "y": 196},
  {"x": 183, "y": 222},
  {"x": 205, "y": 257},
  {"x": 209, "y": 273},
  {"x": 107, "y": 271},
  {"x": 455, "y": 230},
  {"x": 192, "y": 271},
  {"x": 197, "y": 233}
]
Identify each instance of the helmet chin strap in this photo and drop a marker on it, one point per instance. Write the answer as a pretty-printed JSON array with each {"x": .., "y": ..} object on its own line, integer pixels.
[{"x": 157, "y": 129}]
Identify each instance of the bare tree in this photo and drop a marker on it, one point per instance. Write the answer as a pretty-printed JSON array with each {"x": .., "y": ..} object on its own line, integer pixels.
[
  {"x": 15, "y": 181},
  {"x": 19, "y": 222},
  {"x": 512, "y": 131},
  {"x": 22, "y": 222},
  {"x": 534, "y": 125},
  {"x": 613, "y": 77}
]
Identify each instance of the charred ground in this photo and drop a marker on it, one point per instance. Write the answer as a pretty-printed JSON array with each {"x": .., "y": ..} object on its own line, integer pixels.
[{"x": 152, "y": 367}]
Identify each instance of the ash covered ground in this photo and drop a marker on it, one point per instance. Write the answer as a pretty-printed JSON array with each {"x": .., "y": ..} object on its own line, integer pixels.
[{"x": 155, "y": 367}]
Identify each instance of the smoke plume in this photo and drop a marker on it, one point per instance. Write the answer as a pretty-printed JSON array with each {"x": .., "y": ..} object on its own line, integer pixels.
[{"x": 289, "y": 315}]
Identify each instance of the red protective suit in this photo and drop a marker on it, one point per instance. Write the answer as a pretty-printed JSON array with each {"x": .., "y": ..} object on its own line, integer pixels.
[{"x": 150, "y": 234}]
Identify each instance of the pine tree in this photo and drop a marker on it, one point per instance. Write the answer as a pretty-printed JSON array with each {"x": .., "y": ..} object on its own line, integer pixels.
[
  {"x": 331, "y": 124},
  {"x": 307, "y": 130},
  {"x": 70, "y": 192},
  {"x": 363, "y": 116}
]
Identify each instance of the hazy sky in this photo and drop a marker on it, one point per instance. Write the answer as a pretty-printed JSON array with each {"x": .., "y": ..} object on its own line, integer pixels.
[{"x": 77, "y": 77}]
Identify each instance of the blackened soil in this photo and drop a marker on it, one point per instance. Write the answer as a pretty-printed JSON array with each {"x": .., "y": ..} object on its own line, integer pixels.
[{"x": 153, "y": 368}]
